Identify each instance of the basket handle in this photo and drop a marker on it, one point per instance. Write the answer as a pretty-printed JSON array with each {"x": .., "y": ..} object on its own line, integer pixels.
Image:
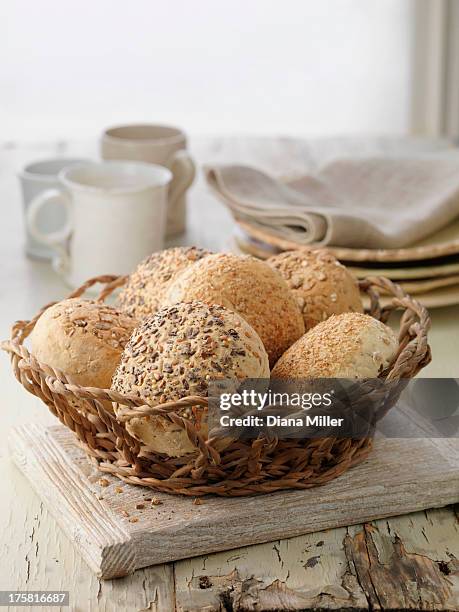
[
  {"x": 414, "y": 351},
  {"x": 111, "y": 282}
]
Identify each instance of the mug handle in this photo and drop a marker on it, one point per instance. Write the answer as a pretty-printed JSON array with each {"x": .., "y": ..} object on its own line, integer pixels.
[
  {"x": 56, "y": 240},
  {"x": 183, "y": 170}
]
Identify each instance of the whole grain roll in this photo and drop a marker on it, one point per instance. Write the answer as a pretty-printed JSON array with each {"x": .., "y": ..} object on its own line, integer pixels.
[
  {"x": 176, "y": 353},
  {"x": 82, "y": 338},
  {"x": 249, "y": 287},
  {"x": 350, "y": 345},
  {"x": 145, "y": 289},
  {"x": 320, "y": 283}
]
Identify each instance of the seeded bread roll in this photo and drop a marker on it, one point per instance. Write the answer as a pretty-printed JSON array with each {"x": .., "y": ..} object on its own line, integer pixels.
[
  {"x": 249, "y": 287},
  {"x": 351, "y": 345},
  {"x": 145, "y": 289},
  {"x": 176, "y": 353},
  {"x": 320, "y": 283},
  {"x": 82, "y": 338}
]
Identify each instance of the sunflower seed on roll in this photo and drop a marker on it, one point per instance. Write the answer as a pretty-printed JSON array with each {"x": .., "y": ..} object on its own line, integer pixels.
[
  {"x": 250, "y": 288},
  {"x": 320, "y": 283},
  {"x": 176, "y": 353},
  {"x": 350, "y": 345},
  {"x": 145, "y": 289}
]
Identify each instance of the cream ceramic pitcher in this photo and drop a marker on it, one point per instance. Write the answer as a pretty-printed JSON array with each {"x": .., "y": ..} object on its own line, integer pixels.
[
  {"x": 115, "y": 216},
  {"x": 156, "y": 144}
]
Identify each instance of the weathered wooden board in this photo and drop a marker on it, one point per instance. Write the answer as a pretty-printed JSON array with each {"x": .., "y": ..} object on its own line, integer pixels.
[{"x": 117, "y": 531}]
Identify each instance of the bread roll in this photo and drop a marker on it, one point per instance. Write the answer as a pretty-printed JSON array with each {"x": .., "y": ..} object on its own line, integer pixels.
[
  {"x": 249, "y": 287},
  {"x": 82, "y": 338},
  {"x": 351, "y": 345},
  {"x": 321, "y": 285},
  {"x": 176, "y": 353},
  {"x": 145, "y": 289}
]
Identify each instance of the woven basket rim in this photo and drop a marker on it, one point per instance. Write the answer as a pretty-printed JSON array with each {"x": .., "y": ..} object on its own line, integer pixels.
[{"x": 98, "y": 426}]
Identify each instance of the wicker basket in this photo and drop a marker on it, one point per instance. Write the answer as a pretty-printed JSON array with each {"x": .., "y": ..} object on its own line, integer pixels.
[{"x": 243, "y": 467}]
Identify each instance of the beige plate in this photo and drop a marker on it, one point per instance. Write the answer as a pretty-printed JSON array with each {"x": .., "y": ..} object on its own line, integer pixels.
[
  {"x": 408, "y": 273},
  {"x": 426, "y": 285},
  {"x": 444, "y": 242},
  {"x": 446, "y": 296},
  {"x": 402, "y": 272}
]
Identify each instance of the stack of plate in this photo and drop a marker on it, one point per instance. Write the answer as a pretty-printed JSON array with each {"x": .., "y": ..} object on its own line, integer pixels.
[{"x": 428, "y": 269}]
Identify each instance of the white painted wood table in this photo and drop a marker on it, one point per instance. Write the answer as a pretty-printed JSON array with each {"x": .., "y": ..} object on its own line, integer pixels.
[{"x": 407, "y": 562}]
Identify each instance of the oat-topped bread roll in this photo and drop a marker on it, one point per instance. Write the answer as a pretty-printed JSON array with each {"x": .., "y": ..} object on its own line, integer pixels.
[
  {"x": 176, "y": 353},
  {"x": 320, "y": 283},
  {"x": 249, "y": 287},
  {"x": 83, "y": 338},
  {"x": 351, "y": 345},
  {"x": 144, "y": 291}
]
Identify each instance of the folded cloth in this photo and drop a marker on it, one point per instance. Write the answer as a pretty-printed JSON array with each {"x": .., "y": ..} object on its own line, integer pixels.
[{"x": 371, "y": 203}]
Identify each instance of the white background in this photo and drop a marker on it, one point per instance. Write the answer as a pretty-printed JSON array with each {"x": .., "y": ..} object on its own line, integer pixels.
[{"x": 295, "y": 67}]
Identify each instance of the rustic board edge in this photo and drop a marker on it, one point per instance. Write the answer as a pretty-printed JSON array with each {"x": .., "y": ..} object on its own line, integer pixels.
[
  {"x": 102, "y": 542},
  {"x": 234, "y": 539}
]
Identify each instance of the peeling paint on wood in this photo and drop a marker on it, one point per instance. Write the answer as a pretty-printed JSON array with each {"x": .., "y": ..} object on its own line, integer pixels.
[{"x": 402, "y": 563}]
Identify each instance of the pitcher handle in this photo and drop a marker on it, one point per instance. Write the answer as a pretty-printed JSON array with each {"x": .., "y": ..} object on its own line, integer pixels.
[
  {"x": 184, "y": 170},
  {"x": 57, "y": 239}
]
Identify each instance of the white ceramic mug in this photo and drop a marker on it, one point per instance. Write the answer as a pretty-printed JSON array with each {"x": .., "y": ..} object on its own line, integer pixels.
[
  {"x": 115, "y": 217},
  {"x": 156, "y": 144},
  {"x": 34, "y": 179}
]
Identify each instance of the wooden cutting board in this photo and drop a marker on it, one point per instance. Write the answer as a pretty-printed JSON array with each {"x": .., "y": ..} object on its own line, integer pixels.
[{"x": 117, "y": 530}]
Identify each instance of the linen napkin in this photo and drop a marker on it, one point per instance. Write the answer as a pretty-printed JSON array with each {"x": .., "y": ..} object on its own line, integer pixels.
[{"x": 370, "y": 203}]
